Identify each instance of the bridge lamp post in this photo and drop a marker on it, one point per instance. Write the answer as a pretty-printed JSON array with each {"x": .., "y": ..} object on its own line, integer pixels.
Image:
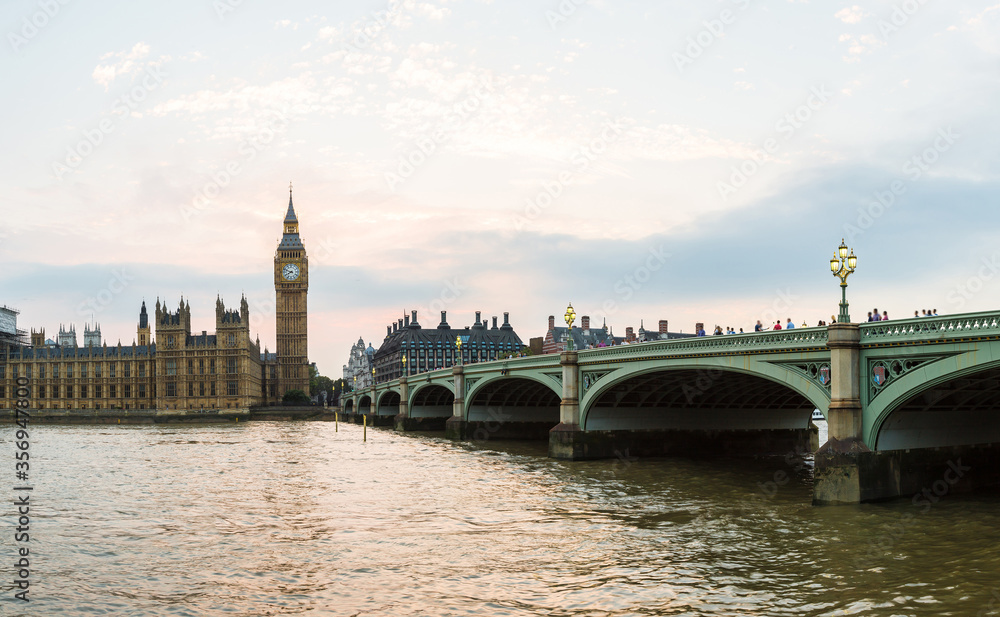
[
  {"x": 843, "y": 265},
  {"x": 458, "y": 344},
  {"x": 570, "y": 317},
  {"x": 404, "y": 364}
]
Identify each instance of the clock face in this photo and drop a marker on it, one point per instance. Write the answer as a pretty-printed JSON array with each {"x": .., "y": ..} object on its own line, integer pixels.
[{"x": 290, "y": 272}]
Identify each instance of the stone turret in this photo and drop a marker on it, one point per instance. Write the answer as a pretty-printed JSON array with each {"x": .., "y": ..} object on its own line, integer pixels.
[{"x": 92, "y": 337}]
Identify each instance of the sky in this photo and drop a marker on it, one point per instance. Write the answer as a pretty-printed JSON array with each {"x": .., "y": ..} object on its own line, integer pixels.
[{"x": 688, "y": 161}]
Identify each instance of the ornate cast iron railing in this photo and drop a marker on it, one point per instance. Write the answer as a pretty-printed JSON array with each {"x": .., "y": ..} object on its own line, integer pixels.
[{"x": 917, "y": 329}]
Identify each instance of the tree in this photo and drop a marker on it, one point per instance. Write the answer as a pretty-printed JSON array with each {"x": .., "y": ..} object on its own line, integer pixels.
[
  {"x": 295, "y": 396},
  {"x": 340, "y": 386},
  {"x": 319, "y": 383}
]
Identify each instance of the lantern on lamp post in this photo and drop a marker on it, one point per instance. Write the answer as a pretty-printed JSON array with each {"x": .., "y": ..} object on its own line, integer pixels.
[
  {"x": 570, "y": 317},
  {"x": 843, "y": 265},
  {"x": 458, "y": 345}
]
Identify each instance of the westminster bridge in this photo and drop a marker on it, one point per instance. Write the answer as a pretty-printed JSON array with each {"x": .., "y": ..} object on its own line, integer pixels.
[{"x": 912, "y": 405}]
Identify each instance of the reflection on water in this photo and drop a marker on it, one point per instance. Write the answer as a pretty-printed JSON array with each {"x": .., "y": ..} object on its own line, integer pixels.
[{"x": 296, "y": 519}]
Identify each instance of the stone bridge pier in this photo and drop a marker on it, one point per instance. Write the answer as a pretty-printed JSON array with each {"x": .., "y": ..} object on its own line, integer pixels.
[{"x": 938, "y": 438}]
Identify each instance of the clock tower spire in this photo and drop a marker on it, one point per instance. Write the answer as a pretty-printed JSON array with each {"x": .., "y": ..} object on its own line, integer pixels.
[{"x": 291, "y": 284}]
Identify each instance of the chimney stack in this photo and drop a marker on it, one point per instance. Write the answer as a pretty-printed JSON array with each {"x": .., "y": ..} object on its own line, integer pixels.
[
  {"x": 552, "y": 322},
  {"x": 406, "y": 321},
  {"x": 494, "y": 322},
  {"x": 413, "y": 319},
  {"x": 629, "y": 334},
  {"x": 444, "y": 321},
  {"x": 479, "y": 317},
  {"x": 585, "y": 322},
  {"x": 663, "y": 326}
]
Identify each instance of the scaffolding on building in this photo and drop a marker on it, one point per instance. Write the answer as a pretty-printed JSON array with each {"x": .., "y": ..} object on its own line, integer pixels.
[{"x": 10, "y": 336}]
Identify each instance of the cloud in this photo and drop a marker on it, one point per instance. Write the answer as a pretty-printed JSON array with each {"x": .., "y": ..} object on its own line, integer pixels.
[
  {"x": 860, "y": 46},
  {"x": 851, "y": 15},
  {"x": 128, "y": 63}
]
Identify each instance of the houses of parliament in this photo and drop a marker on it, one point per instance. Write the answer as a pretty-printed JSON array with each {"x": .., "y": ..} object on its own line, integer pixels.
[{"x": 168, "y": 367}]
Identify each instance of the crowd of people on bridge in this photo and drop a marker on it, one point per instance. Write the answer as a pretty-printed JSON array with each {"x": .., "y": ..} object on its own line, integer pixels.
[{"x": 873, "y": 315}]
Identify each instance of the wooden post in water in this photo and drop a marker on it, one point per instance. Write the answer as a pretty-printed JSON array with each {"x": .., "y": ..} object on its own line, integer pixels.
[{"x": 365, "y": 427}]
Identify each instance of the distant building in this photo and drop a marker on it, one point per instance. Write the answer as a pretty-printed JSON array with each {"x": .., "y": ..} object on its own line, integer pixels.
[
  {"x": 428, "y": 349},
  {"x": 585, "y": 337},
  {"x": 181, "y": 370},
  {"x": 535, "y": 344},
  {"x": 358, "y": 370},
  {"x": 556, "y": 338}
]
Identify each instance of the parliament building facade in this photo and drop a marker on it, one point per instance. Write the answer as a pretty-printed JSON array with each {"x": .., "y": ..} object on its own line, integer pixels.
[{"x": 167, "y": 367}]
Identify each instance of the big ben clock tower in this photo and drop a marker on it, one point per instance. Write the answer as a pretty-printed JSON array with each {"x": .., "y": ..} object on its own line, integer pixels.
[{"x": 291, "y": 283}]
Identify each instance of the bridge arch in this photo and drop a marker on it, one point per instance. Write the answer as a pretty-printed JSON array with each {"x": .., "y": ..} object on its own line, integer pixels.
[
  {"x": 364, "y": 404},
  {"x": 432, "y": 400},
  {"x": 388, "y": 403},
  {"x": 952, "y": 401},
  {"x": 710, "y": 393},
  {"x": 507, "y": 399},
  {"x": 349, "y": 404}
]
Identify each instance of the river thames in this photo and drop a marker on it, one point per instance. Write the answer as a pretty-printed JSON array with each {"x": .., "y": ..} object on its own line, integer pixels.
[{"x": 296, "y": 519}]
